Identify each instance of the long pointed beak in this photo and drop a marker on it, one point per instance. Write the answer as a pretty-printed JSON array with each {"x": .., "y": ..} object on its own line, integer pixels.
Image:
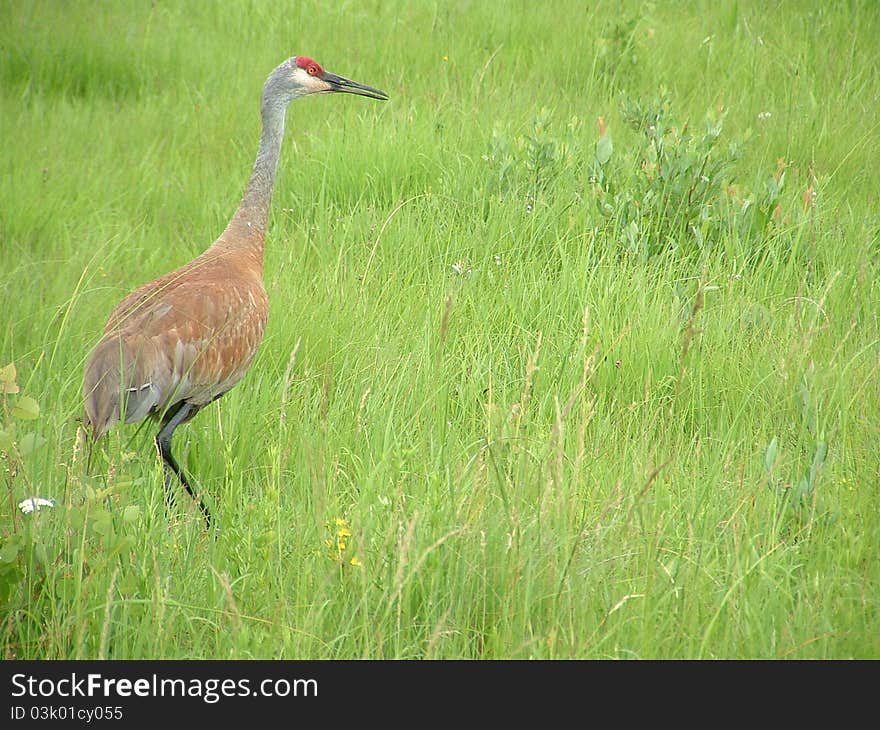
[{"x": 338, "y": 83}]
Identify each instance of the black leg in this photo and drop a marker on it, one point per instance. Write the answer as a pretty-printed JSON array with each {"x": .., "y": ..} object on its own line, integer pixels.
[{"x": 172, "y": 419}]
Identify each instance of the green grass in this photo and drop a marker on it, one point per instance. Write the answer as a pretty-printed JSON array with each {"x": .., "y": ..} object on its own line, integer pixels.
[{"x": 564, "y": 409}]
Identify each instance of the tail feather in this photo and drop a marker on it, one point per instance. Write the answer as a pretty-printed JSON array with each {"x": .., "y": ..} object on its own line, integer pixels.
[{"x": 117, "y": 385}]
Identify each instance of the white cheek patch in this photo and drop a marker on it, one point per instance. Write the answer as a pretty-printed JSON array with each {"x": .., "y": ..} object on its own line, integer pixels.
[{"x": 312, "y": 83}]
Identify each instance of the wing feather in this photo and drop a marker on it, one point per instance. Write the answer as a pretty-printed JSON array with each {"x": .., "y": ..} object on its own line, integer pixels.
[{"x": 181, "y": 337}]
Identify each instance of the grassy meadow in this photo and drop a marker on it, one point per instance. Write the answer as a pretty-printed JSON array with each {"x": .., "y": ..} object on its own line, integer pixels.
[{"x": 573, "y": 349}]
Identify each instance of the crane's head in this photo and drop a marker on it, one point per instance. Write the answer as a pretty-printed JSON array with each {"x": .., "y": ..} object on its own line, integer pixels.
[{"x": 302, "y": 75}]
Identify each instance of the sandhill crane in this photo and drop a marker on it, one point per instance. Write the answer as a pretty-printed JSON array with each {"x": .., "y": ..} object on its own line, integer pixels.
[{"x": 183, "y": 340}]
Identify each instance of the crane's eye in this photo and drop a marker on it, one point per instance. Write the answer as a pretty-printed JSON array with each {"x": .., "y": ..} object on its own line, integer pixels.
[{"x": 313, "y": 70}]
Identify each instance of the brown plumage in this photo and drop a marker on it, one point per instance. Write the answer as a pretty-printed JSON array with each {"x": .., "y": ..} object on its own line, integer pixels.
[{"x": 184, "y": 339}]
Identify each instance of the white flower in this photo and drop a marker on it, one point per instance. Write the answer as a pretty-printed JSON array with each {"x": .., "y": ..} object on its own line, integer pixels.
[
  {"x": 35, "y": 503},
  {"x": 764, "y": 115},
  {"x": 462, "y": 268}
]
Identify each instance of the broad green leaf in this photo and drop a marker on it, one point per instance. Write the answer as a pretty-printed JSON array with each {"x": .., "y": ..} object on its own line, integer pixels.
[
  {"x": 29, "y": 443},
  {"x": 102, "y": 526},
  {"x": 76, "y": 516},
  {"x": 7, "y": 440},
  {"x": 821, "y": 453},
  {"x": 41, "y": 554},
  {"x": 100, "y": 522},
  {"x": 9, "y": 578},
  {"x": 8, "y": 552},
  {"x": 770, "y": 455},
  {"x": 26, "y": 408},
  {"x": 131, "y": 513},
  {"x": 122, "y": 546},
  {"x": 800, "y": 491},
  {"x": 604, "y": 148},
  {"x": 7, "y": 373}
]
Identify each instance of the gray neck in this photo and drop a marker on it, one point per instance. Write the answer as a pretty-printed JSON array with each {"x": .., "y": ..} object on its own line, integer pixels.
[
  {"x": 247, "y": 228},
  {"x": 254, "y": 207}
]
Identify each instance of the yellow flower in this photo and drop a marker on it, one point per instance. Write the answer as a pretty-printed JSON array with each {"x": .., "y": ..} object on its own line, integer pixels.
[
  {"x": 356, "y": 562},
  {"x": 337, "y": 543}
]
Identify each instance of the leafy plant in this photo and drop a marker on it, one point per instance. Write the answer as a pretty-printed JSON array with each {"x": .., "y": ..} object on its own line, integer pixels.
[
  {"x": 536, "y": 162},
  {"x": 35, "y": 545},
  {"x": 16, "y": 443},
  {"x": 617, "y": 48},
  {"x": 674, "y": 195},
  {"x": 673, "y": 190},
  {"x": 800, "y": 503}
]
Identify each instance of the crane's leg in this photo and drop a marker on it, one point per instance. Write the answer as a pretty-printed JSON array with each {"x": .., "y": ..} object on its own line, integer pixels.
[{"x": 172, "y": 419}]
